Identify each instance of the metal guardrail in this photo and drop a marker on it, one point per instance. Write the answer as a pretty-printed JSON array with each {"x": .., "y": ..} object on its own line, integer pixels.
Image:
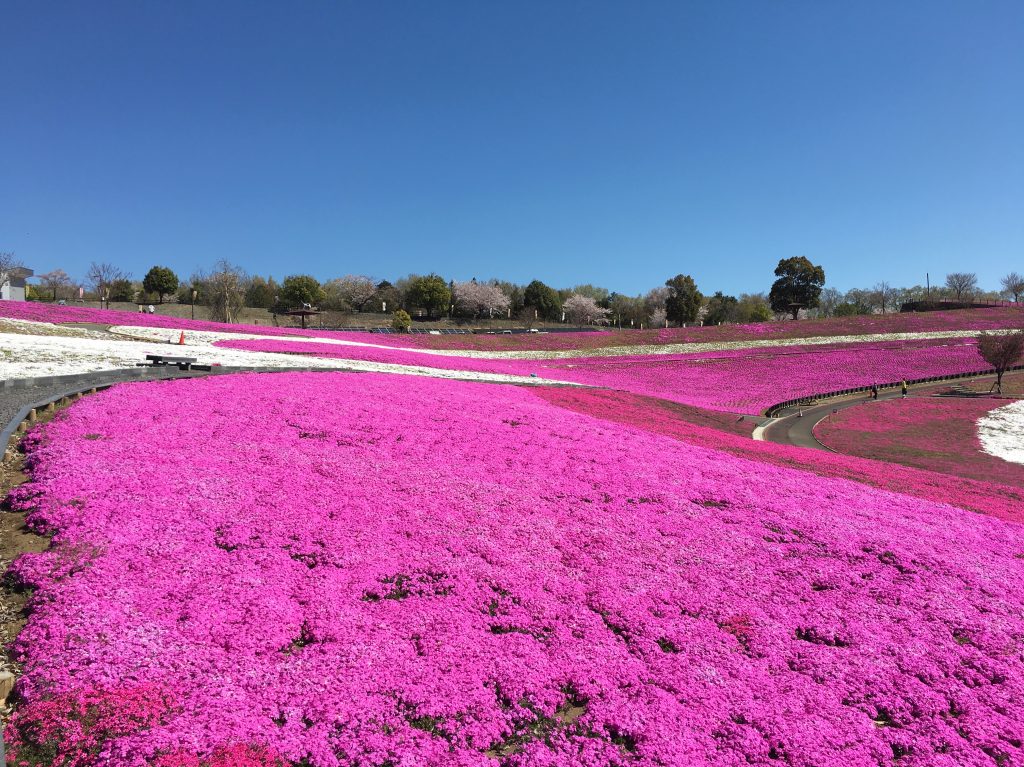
[
  {"x": 811, "y": 398},
  {"x": 80, "y": 383}
]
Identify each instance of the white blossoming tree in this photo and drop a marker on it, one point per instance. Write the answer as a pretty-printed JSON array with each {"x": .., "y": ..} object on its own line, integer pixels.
[
  {"x": 583, "y": 310},
  {"x": 480, "y": 297}
]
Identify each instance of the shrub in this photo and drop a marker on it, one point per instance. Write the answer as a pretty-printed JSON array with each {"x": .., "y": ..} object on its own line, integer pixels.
[{"x": 401, "y": 321}]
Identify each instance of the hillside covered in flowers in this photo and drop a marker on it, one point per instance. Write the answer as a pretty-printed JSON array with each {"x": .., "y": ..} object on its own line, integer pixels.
[
  {"x": 331, "y": 569},
  {"x": 481, "y": 577}
]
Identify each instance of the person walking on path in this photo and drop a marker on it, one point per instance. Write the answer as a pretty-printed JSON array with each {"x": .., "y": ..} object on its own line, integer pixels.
[
  {"x": 874, "y": 391},
  {"x": 903, "y": 388}
]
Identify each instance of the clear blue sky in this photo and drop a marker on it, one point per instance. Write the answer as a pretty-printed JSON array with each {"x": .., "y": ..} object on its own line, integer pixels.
[{"x": 614, "y": 143}]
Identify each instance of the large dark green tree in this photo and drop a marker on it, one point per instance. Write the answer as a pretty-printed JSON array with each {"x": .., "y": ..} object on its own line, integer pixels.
[
  {"x": 121, "y": 290},
  {"x": 544, "y": 300},
  {"x": 684, "y": 300},
  {"x": 798, "y": 286},
  {"x": 300, "y": 289},
  {"x": 431, "y": 293},
  {"x": 160, "y": 280},
  {"x": 721, "y": 308}
]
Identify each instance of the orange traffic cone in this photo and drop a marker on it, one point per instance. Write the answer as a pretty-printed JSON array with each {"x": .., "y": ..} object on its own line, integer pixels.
[{"x": 181, "y": 341}]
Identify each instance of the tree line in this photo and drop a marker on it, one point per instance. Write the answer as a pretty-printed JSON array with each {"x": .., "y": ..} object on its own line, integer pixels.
[{"x": 226, "y": 289}]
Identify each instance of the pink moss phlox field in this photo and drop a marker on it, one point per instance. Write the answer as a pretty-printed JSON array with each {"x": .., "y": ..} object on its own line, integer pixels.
[
  {"x": 381, "y": 570},
  {"x": 934, "y": 433},
  {"x": 1005, "y": 501},
  {"x": 968, "y": 320},
  {"x": 743, "y": 381},
  {"x": 53, "y": 313}
]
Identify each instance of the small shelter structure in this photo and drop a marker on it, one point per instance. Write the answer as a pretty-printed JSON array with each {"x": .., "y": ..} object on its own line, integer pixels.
[
  {"x": 13, "y": 286},
  {"x": 303, "y": 313}
]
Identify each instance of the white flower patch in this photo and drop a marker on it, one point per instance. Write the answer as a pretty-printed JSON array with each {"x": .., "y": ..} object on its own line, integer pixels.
[
  {"x": 30, "y": 356},
  {"x": 1001, "y": 432},
  {"x": 33, "y": 328},
  {"x": 210, "y": 337}
]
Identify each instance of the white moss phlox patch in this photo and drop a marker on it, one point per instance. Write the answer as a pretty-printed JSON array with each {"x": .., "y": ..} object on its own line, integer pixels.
[{"x": 1002, "y": 432}]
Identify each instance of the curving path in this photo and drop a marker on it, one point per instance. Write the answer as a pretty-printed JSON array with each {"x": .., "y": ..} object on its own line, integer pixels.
[{"x": 795, "y": 425}]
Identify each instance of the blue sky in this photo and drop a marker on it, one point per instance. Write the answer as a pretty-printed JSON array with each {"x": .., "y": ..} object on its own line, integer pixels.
[{"x": 612, "y": 143}]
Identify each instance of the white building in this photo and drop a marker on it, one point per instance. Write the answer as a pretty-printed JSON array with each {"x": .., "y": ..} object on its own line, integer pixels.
[{"x": 13, "y": 286}]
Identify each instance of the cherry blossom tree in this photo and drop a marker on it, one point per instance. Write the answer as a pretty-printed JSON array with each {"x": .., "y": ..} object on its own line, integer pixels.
[
  {"x": 480, "y": 297},
  {"x": 55, "y": 281},
  {"x": 352, "y": 290},
  {"x": 581, "y": 310}
]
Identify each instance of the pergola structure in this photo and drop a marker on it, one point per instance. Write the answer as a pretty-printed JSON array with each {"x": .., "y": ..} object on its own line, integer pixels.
[{"x": 302, "y": 313}]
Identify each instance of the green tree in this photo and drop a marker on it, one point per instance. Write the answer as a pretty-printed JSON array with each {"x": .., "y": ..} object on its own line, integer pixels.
[
  {"x": 601, "y": 296},
  {"x": 431, "y": 293},
  {"x": 543, "y": 300},
  {"x": 386, "y": 295},
  {"x": 684, "y": 300},
  {"x": 759, "y": 313},
  {"x": 721, "y": 308},
  {"x": 122, "y": 290},
  {"x": 260, "y": 293},
  {"x": 198, "y": 283},
  {"x": 798, "y": 285},
  {"x": 855, "y": 302},
  {"x": 160, "y": 280},
  {"x": 515, "y": 296},
  {"x": 299, "y": 289}
]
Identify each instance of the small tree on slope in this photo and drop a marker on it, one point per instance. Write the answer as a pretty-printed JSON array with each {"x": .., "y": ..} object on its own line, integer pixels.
[
  {"x": 160, "y": 280},
  {"x": 1001, "y": 352}
]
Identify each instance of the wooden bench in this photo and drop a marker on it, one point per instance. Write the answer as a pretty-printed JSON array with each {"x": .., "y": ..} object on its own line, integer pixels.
[{"x": 183, "y": 363}]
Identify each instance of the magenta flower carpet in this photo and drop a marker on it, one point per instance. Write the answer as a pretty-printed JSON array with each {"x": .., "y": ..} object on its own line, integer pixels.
[
  {"x": 342, "y": 569},
  {"x": 999, "y": 494},
  {"x": 740, "y": 381}
]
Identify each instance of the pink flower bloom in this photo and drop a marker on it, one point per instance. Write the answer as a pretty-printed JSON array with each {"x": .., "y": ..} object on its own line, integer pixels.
[
  {"x": 359, "y": 568},
  {"x": 742, "y": 381}
]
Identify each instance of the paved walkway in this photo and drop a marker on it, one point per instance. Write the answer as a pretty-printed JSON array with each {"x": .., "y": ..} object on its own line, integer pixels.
[{"x": 796, "y": 425}]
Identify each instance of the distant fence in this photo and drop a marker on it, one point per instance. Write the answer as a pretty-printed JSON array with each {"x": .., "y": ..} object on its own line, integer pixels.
[
  {"x": 812, "y": 398},
  {"x": 945, "y": 304}
]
